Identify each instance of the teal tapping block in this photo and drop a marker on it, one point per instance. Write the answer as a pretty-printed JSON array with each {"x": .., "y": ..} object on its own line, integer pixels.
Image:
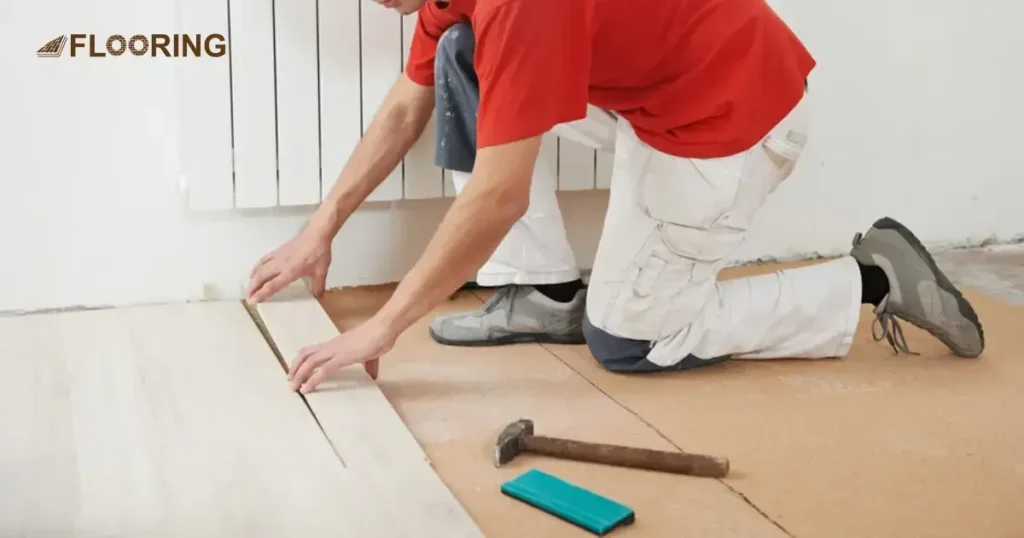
[{"x": 568, "y": 501}]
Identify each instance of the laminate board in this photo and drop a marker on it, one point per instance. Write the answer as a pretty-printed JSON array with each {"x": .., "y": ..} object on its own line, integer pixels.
[
  {"x": 366, "y": 431},
  {"x": 161, "y": 421}
]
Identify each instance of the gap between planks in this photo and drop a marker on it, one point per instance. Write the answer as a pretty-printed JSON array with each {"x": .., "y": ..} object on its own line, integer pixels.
[
  {"x": 262, "y": 327},
  {"x": 363, "y": 428}
]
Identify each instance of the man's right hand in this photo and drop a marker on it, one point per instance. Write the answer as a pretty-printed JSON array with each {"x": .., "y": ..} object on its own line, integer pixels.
[
  {"x": 308, "y": 254},
  {"x": 396, "y": 126}
]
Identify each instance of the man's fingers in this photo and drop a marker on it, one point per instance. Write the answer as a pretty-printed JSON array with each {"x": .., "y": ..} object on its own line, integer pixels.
[
  {"x": 335, "y": 363},
  {"x": 274, "y": 286},
  {"x": 307, "y": 367},
  {"x": 266, "y": 258},
  {"x": 315, "y": 380},
  {"x": 261, "y": 275},
  {"x": 304, "y": 354}
]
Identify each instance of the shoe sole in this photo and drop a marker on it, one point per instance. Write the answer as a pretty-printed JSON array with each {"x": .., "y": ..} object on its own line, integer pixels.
[
  {"x": 508, "y": 339},
  {"x": 965, "y": 308}
]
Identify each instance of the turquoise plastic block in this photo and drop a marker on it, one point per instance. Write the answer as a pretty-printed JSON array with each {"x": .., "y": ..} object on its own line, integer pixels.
[{"x": 568, "y": 501}]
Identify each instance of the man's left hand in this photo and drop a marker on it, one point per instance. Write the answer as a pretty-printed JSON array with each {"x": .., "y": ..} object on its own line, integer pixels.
[{"x": 364, "y": 344}]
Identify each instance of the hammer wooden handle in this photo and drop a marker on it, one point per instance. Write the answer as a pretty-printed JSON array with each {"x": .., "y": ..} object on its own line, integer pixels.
[{"x": 640, "y": 458}]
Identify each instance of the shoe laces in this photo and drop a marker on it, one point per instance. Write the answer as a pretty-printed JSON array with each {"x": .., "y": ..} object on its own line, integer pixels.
[
  {"x": 886, "y": 324},
  {"x": 501, "y": 295},
  {"x": 890, "y": 328}
]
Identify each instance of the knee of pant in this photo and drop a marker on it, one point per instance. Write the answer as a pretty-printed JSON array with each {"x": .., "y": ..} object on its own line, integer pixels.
[
  {"x": 618, "y": 364},
  {"x": 617, "y": 354},
  {"x": 454, "y": 51}
]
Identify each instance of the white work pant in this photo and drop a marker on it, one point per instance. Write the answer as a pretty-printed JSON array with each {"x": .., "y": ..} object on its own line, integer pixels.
[
  {"x": 670, "y": 225},
  {"x": 536, "y": 249}
]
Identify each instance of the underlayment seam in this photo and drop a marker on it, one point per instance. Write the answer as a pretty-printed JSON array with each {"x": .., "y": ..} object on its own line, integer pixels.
[
  {"x": 262, "y": 328},
  {"x": 668, "y": 440}
]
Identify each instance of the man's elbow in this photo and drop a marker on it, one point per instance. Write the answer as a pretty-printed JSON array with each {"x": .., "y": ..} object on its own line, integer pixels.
[
  {"x": 506, "y": 172},
  {"x": 519, "y": 206},
  {"x": 513, "y": 204},
  {"x": 401, "y": 117},
  {"x": 408, "y": 108}
]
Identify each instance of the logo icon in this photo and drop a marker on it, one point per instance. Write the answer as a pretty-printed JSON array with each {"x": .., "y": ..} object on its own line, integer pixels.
[{"x": 53, "y": 48}]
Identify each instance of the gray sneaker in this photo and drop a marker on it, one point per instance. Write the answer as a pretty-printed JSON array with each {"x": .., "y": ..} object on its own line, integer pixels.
[
  {"x": 515, "y": 314},
  {"x": 918, "y": 291}
]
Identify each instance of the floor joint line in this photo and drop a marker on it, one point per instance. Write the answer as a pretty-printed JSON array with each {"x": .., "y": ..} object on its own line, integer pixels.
[
  {"x": 262, "y": 327},
  {"x": 666, "y": 438}
]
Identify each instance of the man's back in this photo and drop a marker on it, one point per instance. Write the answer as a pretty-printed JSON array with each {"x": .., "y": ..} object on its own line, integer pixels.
[{"x": 695, "y": 78}]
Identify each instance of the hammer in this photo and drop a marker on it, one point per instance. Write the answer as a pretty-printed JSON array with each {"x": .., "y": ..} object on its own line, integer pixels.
[{"x": 518, "y": 437}]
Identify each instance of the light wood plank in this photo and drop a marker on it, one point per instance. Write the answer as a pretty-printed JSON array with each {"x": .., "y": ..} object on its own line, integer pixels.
[
  {"x": 164, "y": 421},
  {"x": 340, "y": 101},
  {"x": 605, "y": 164},
  {"x": 205, "y": 114},
  {"x": 298, "y": 107},
  {"x": 366, "y": 430},
  {"x": 422, "y": 177},
  {"x": 575, "y": 166},
  {"x": 382, "y": 65},
  {"x": 252, "y": 95}
]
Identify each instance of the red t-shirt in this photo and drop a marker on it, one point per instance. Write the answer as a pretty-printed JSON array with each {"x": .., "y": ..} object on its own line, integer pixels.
[{"x": 695, "y": 78}]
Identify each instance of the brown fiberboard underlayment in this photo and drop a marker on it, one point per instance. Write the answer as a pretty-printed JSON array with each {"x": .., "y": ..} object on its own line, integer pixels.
[
  {"x": 457, "y": 400},
  {"x": 163, "y": 421},
  {"x": 871, "y": 445},
  {"x": 366, "y": 431}
]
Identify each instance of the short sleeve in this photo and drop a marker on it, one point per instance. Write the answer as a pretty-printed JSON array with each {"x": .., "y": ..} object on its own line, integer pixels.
[
  {"x": 533, "y": 63},
  {"x": 431, "y": 22}
]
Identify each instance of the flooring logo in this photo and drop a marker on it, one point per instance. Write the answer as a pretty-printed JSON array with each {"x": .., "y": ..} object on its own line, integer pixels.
[
  {"x": 152, "y": 45},
  {"x": 53, "y": 48}
]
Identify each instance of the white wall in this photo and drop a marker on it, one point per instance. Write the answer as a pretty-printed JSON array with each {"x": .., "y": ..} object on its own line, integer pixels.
[{"x": 918, "y": 114}]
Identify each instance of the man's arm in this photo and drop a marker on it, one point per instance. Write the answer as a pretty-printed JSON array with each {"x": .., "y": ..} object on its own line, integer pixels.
[
  {"x": 547, "y": 42},
  {"x": 495, "y": 197},
  {"x": 397, "y": 125}
]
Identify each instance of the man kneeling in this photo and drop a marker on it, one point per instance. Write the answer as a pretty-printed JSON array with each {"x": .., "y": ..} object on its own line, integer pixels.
[{"x": 705, "y": 108}]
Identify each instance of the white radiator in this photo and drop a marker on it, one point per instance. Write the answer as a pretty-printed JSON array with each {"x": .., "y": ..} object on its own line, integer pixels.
[{"x": 272, "y": 122}]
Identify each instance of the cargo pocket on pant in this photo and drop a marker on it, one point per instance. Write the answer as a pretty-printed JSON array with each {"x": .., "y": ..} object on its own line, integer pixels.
[
  {"x": 767, "y": 165},
  {"x": 672, "y": 274},
  {"x": 654, "y": 294},
  {"x": 689, "y": 199}
]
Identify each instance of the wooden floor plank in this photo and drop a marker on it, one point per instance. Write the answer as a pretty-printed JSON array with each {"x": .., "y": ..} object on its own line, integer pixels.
[
  {"x": 367, "y": 432},
  {"x": 162, "y": 421}
]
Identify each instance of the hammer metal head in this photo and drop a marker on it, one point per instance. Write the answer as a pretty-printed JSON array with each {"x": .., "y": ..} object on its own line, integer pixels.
[{"x": 510, "y": 441}]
